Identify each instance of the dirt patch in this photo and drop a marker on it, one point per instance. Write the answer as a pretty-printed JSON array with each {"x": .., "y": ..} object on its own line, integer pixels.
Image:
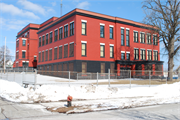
[{"x": 61, "y": 109}]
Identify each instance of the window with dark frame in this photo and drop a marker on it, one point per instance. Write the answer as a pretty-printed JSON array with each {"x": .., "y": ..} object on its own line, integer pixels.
[
  {"x": 111, "y": 51},
  {"x": 47, "y": 39},
  {"x": 42, "y": 56},
  {"x": 65, "y": 31},
  {"x": 148, "y": 38},
  {"x": 143, "y": 54},
  {"x": 55, "y": 35},
  {"x": 102, "y": 67},
  {"x": 50, "y": 54},
  {"x": 122, "y": 56},
  {"x": 83, "y": 49},
  {"x": 155, "y": 55},
  {"x": 39, "y": 41},
  {"x": 127, "y": 37},
  {"x": 60, "y": 33},
  {"x": 136, "y": 54},
  {"x": 142, "y": 37},
  {"x": 135, "y": 36},
  {"x": 111, "y": 32},
  {"x": 23, "y": 42},
  {"x": 23, "y": 54},
  {"x": 84, "y": 67},
  {"x": 102, "y": 50},
  {"x": 122, "y": 36},
  {"x": 43, "y": 40},
  {"x": 60, "y": 52},
  {"x": 102, "y": 31},
  {"x": 71, "y": 28},
  {"x": 17, "y": 43},
  {"x": 154, "y": 39},
  {"x": 50, "y": 37},
  {"x": 55, "y": 53},
  {"x": 65, "y": 51},
  {"x": 71, "y": 50},
  {"x": 127, "y": 56},
  {"x": 17, "y": 55},
  {"x": 46, "y": 58},
  {"x": 149, "y": 55},
  {"x": 83, "y": 31},
  {"x": 39, "y": 57}
]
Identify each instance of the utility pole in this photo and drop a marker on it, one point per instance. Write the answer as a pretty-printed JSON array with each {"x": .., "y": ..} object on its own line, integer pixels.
[
  {"x": 61, "y": 8},
  {"x": 5, "y": 55}
]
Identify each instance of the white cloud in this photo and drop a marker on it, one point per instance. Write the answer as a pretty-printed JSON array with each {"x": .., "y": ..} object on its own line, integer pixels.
[
  {"x": 83, "y": 5},
  {"x": 33, "y": 7},
  {"x": 9, "y": 8},
  {"x": 53, "y": 3}
]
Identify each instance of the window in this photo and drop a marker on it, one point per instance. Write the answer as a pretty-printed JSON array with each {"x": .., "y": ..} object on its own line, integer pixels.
[
  {"x": 55, "y": 53},
  {"x": 112, "y": 67},
  {"x": 65, "y": 51},
  {"x": 135, "y": 36},
  {"x": 136, "y": 54},
  {"x": 71, "y": 50},
  {"x": 42, "y": 56},
  {"x": 46, "y": 39},
  {"x": 50, "y": 54},
  {"x": 122, "y": 36},
  {"x": 60, "y": 52},
  {"x": 154, "y": 39},
  {"x": 39, "y": 57},
  {"x": 39, "y": 41},
  {"x": 111, "y": 32},
  {"x": 127, "y": 37},
  {"x": 55, "y": 35},
  {"x": 23, "y": 42},
  {"x": 149, "y": 55},
  {"x": 46, "y": 55},
  {"x": 83, "y": 49},
  {"x": 102, "y": 67},
  {"x": 127, "y": 56},
  {"x": 142, "y": 37},
  {"x": 148, "y": 38},
  {"x": 71, "y": 67},
  {"x": 23, "y": 54},
  {"x": 71, "y": 28},
  {"x": 102, "y": 31},
  {"x": 17, "y": 43},
  {"x": 65, "y": 31},
  {"x": 43, "y": 40},
  {"x": 142, "y": 54},
  {"x": 17, "y": 55},
  {"x": 122, "y": 56},
  {"x": 102, "y": 51},
  {"x": 50, "y": 37},
  {"x": 60, "y": 33},
  {"x": 111, "y": 51},
  {"x": 155, "y": 55},
  {"x": 84, "y": 67},
  {"x": 83, "y": 28}
]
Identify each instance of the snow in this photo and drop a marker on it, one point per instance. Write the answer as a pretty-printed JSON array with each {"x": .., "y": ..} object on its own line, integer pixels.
[{"x": 106, "y": 97}]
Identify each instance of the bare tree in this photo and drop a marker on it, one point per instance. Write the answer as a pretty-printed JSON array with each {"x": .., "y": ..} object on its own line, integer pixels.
[
  {"x": 165, "y": 16},
  {"x": 8, "y": 56}
]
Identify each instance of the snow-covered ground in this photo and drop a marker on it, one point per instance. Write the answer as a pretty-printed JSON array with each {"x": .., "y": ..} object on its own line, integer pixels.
[{"x": 110, "y": 97}]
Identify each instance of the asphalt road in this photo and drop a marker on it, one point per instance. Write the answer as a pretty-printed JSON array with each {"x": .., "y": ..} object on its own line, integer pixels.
[{"x": 158, "y": 112}]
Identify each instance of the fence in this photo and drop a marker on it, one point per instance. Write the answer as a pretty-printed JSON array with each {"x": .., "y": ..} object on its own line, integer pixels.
[{"x": 123, "y": 77}]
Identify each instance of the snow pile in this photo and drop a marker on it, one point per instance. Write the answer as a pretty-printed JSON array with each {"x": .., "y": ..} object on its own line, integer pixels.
[{"x": 126, "y": 98}]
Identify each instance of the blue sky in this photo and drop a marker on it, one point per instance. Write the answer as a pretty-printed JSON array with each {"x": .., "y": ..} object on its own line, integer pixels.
[{"x": 16, "y": 14}]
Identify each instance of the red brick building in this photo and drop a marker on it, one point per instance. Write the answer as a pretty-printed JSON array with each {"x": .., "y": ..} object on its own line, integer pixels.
[{"x": 85, "y": 41}]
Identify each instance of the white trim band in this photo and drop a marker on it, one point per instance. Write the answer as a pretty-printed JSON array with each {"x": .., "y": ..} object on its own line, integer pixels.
[
  {"x": 127, "y": 29},
  {"x": 83, "y": 41},
  {"x": 60, "y": 46},
  {"x": 24, "y": 50},
  {"x": 50, "y": 48},
  {"x": 71, "y": 42},
  {"x": 122, "y": 27},
  {"x": 65, "y": 44},
  {"x": 102, "y": 43},
  {"x": 127, "y": 52},
  {"x": 102, "y": 24},
  {"x": 111, "y": 44},
  {"x": 84, "y": 21},
  {"x": 71, "y": 22},
  {"x": 24, "y": 39},
  {"x": 111, "y": 25},
  {"x": 122, "y": 51},
  {"x": 66, "y": 24}
]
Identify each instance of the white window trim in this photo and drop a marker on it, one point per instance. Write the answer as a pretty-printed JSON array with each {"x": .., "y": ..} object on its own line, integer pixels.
[
  {"x": 50, "y": 32},
  {"x": 47, "y": 33},
  {"x": 149, "y": 49},
  {"x": 122, "y": 51},
  {"x": 43, "y": 51},
  {"x": 56, "y": 29},
  {"x": 102, "y": 24},
  {"x": 66, "y": 24},
  {"x": 111, "y": 25},
  {"x": 40, "y": 52},
  {"x": 65, "y": 44},
  {"x": 102, "y": 43},
  {"x": 122, "y": 27},
  {"x": 35, "y": 55},
  {"x": 127, "y": 28},
  {"x": 83, "y": 41},
  {"x": 142, "y": 48},
  {"x": 40, "y": 37},
  {"x": 23, "y": 61},
  {"x": 136, "y": 48},
  {"x": 23, "y": 50},
  {"x": 50, "y": 48},
  {"x": 111, "y": 44},
  {"x": 27, "y": 61},
  {"x": 71, "y": 42},
  {"x": 17, "y": 51},
  {"x": 142, "y": 32},
  {"x": 84, "y": 21},
  {"x": 55, "y": 47},
  {"x": 61, "y": 27},
  {"x": 135, "y": 31},
  {"x": 60, "y": 46},
  {"x": 71, "y": 22},
  {"x": 24, "y": 39},
  {"x": 17, "y": 40},
  {"x": 17, "y": 61},
  {"x": 127, "y": 52},
  {"x": 46, "y": 49},
  {"x": 155, "y": 50}
]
